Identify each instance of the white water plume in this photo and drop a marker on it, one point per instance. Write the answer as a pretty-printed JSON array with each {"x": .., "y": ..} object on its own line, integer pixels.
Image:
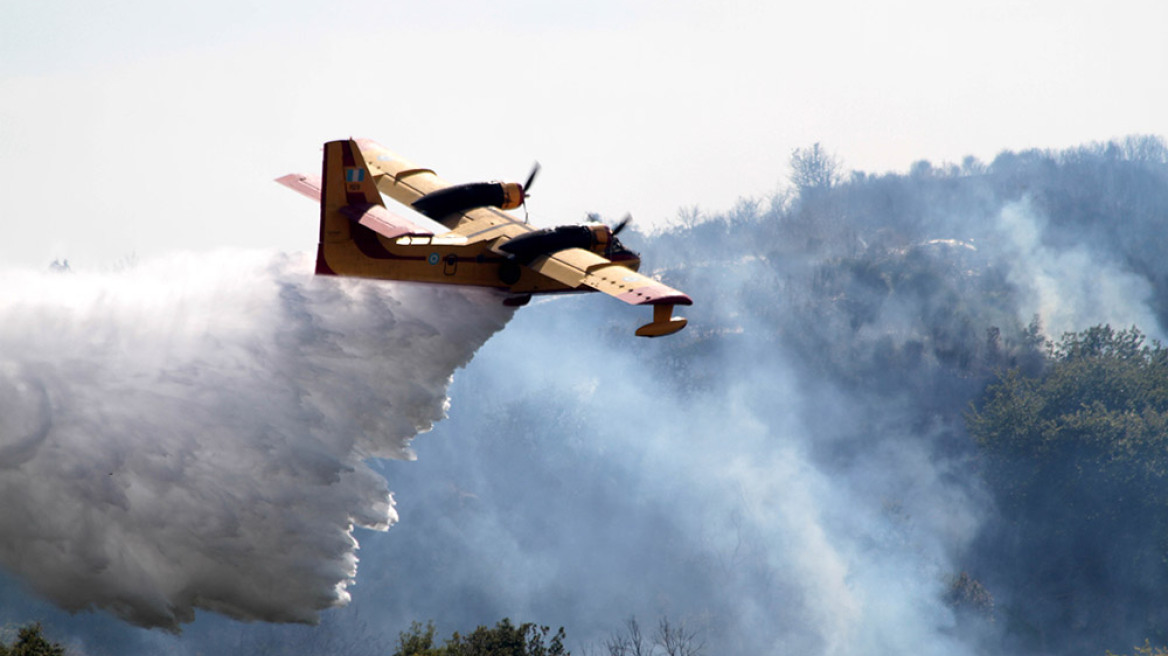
[{"x": 191, "y": 433}]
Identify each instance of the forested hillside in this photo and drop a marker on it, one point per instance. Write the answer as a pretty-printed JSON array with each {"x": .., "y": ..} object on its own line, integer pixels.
[
  {"x": 794, "y": 471},
  {"x": 922, "y": 289},
  {"x": 873, "y": 437}
]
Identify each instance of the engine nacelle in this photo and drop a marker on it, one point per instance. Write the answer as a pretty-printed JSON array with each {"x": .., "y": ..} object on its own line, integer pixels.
[
  {"x": 597, "y": 238},
  {"x": 461, "y": 198}
]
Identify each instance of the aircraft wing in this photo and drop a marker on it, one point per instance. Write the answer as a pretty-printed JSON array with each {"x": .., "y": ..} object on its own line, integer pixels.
[
  {"x": 406, "y": 182},
  {"x": 375, "y": 217},
  {"x": 578, "y": 268},
  {"x": 396, "y": 176}
]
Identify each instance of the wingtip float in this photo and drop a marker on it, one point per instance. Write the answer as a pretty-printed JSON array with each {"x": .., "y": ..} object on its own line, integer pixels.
[{"x": 485, "y": 246}]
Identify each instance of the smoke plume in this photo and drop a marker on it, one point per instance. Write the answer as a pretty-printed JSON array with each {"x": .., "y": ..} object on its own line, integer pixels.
[
  {"x": 789, "y": 474},
  {"x": 193, "y": 432}
]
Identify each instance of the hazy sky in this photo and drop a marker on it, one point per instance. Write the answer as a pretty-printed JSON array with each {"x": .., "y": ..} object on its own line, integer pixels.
[{"x": 139, "y": 127}]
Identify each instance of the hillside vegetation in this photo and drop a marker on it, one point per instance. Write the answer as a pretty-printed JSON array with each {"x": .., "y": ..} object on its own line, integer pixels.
[
  {"x": 1077, "y": 460},
  {"x": 919, "y": 411},
  {"x": 927, "y": 294},
  {"x": 857, "y": 321}
]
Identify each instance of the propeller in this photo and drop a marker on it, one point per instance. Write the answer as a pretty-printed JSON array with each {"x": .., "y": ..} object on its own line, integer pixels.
[
  {"x": 530, "y": 178},
  {"x": 622, "y": 225},
  {"x": 527, "y": 186}
]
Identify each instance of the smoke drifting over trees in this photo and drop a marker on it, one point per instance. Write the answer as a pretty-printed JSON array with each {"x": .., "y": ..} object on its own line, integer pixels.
[{"x": 790, "y": 474}]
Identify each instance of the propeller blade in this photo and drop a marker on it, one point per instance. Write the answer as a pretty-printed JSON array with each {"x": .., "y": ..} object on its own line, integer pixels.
[
  {"x": 531, "y": 178},
  {"x": 622, "y": 225}
]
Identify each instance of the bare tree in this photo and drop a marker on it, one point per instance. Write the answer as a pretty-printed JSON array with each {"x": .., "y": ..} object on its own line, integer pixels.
[
  {"x": 814, "y": 168},
  {"x": 630, "y": 642},
  {"x": 677, "y": 640},
  {"x": 669, "y": 640}
]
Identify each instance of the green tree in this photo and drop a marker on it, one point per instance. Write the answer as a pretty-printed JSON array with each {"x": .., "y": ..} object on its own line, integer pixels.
[
  {"x": 31, "y": 642},
  {"x": 418, "y": 641},
  {"x": 1091, "y": 428},
  {"x": 1077, "y": 460},
  {"x": 1146, "y": 650},
  {"x": 505, "y": 639}
]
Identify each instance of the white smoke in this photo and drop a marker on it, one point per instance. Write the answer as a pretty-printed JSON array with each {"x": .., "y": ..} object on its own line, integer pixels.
[
  {"x": 1073, "y": 286},
  {"x": 191, "y": 433}
]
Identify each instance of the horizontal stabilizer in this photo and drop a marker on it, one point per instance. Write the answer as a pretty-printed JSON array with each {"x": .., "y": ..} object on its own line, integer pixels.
[
  {"x": 382, "y": 221},
  {"x": 309, "y": 185},
  {"x": 375, "y": 217}
]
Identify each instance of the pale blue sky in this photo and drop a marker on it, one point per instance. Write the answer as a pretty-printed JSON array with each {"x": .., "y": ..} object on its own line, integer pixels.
[{"x": 137, "y": 127}]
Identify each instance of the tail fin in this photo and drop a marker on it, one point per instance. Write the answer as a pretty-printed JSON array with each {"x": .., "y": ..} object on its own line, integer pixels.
[
  {"x": 345, "y": 183},
  {"x": 354, "y": 223}
]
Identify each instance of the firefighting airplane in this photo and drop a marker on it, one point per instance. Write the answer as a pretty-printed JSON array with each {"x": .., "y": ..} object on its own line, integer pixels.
[{"x": 485, "y": 246}]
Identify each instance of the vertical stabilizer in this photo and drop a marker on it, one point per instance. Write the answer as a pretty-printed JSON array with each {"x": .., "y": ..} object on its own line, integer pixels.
[{"x": 345, "y": 183}]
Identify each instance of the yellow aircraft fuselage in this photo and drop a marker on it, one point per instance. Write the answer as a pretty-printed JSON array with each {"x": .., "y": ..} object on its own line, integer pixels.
[
  {"x": 484, "y": 247},
  {"x": 436, "y": 259}
]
